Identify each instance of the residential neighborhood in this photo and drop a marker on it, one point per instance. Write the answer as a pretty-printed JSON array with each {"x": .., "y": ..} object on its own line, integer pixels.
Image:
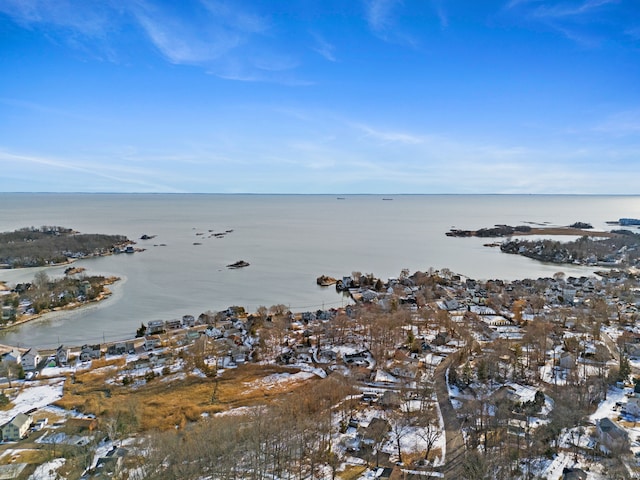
[{"x": 439, "y": 375}]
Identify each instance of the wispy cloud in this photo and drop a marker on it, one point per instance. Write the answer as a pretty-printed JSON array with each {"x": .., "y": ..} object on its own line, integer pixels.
[
  {"x": 120, "y": 177},
  {"x": 621, "y": 124},
  {"x": 83, "y": 26},
  {"x": 223, "y": 37},
  {"x": 574, "y": 19},
  {"x": 196, "y": 37},
  {"x": 379, "y": 14},
  {"x": 238, "y": 19},
  {"x": 88, "y": 18},
  {"x": 323, "y": 48},
  {"x": 386, "y": 136},
  {"x": 438, "y": 6},
  {"x": 572, "y": 9}
]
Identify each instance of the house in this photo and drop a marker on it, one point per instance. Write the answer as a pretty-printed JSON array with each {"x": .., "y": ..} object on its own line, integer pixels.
[
  {"x": 161, "y": 359},
  {"x": 188, "y": 321},
  {"x": 376, "y": 431},
  {"x": 110, "y": 465},
  {"x": 352, "y": 444},
  {"x": 16, "y": 428},
  {"x": 390, "y": 398},
  {"x": 574, "y": 474},
  {"x": 633, "y": 405},
  {"x": 89, "y": 352},
  {"x": 567, "y": 360},
  {"x": 151, "y": 342},
  {"x": 62, "y": 355},
  {"x": 81, "y": 425},
  {"x": 8, "y": 313},
  {"x": 121, "y": 348},
  {"x": 358, "y": 359},
  {"x": 191, "y": 336},
  {"x": 173, "y": 324},
  {"x": 611, "y": 436},
  {"x": 12, "y": 356},
  {"x": 30, "y": 359},
  {"x": 155, "y": 326}
]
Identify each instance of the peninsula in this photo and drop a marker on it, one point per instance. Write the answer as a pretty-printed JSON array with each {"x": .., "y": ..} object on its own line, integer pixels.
[{"x": 54, "y": 245}]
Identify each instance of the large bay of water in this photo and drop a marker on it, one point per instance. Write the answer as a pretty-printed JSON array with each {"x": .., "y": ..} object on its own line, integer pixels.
[{"x": 289, "y": 240}]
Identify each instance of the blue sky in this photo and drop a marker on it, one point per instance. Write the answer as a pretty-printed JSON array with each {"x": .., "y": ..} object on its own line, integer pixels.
[{"x": 320, "y": 96}]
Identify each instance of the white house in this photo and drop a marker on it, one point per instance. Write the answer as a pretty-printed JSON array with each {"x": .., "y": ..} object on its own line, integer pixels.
[
  {"x": 16, "y": 428},
  {"x": 30, "y": 359}
]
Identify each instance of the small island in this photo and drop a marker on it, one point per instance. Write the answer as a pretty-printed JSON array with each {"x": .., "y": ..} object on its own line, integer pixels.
[
  {"x": 238, "y": 264},
  {"x": 577, "y": 228},
  {"x": 325, "y": 281}
]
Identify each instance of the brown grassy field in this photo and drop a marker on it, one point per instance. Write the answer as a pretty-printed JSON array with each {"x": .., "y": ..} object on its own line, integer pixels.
[{"x": 163, "y": 405}]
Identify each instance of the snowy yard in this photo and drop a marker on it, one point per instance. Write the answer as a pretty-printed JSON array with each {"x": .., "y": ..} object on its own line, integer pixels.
[{"x": 31, "y": 397}]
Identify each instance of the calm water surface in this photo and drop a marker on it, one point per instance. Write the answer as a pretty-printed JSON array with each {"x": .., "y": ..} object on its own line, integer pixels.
[{"x": 289, "y": 240}]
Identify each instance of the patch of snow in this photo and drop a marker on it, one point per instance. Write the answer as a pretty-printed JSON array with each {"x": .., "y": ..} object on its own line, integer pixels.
[
  {"x": 47, "y": 471},
  {"x": 32, "y": 397}
]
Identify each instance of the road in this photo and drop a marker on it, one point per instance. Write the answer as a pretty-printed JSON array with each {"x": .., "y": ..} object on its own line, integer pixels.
[{"x": 453, "y": 429}]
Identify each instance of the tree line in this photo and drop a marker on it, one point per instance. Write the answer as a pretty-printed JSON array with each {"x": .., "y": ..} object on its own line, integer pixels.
[{"x": 34, "y": 247}]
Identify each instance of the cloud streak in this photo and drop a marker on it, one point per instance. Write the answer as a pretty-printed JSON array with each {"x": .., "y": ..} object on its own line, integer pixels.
[
  {"x": 221, "y": 37},
  {"x": 122, "y": 178},
  {"x": 573, "y": 19},
  {"x": 323, "y": 48}
]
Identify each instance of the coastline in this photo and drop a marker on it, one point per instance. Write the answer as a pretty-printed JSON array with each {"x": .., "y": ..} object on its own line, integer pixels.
[{"x": 73, "y": 307}]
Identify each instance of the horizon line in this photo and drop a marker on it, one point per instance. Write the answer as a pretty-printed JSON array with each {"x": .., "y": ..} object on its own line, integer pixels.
[{"x": 325, "y": 194}]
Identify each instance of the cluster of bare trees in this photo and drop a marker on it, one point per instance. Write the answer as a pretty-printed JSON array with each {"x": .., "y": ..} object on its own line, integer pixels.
[
  {"x": 45, "y": 293},
  {"x": 33, "y": 247},
  {"x": 288, "y": 439}
]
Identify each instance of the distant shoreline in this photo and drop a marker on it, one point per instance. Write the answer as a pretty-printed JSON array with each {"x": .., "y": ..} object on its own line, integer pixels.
[
  {"x": 104, "y": 295},
  {"x": 571, "y": 231}
]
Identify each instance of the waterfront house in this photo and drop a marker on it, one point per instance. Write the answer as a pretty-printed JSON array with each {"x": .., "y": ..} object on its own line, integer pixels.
[
  {"x": 8, "y": 313},
  {"x": 155, "y": 326},
  {"x": 173, "y": 324},
  {"x": 30, "y": 359},
  {"x": 12, "y": 356},
  {"x": 16, "y": 428},
  {"x": 89, "y": 352},
  {"x": 62, "y": 355},
  {"x": 188, "y": 321}
]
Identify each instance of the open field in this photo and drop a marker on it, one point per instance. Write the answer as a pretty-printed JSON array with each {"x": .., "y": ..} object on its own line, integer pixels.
[{"x": 165, "y": 402}]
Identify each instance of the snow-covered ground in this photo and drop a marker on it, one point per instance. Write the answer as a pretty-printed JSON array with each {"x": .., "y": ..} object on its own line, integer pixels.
[
  {"x": 47, "y": 471},
  {"x": 33, "y": 397},
  {"x": 607, "y": 407},
  {"x": 277, "y": 379}
]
